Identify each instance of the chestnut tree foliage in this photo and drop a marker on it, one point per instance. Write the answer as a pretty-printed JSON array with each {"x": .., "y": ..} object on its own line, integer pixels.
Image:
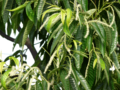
[{"x": 79, "y": 42}]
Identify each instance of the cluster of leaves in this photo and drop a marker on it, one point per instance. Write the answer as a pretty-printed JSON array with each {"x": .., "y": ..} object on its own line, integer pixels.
[{"x": 78, "y": 43}]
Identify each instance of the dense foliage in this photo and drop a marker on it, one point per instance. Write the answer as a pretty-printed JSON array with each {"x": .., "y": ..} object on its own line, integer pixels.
[{"x": 79, "y": 42}]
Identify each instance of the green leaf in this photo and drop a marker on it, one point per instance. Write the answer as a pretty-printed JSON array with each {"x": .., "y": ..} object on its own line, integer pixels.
[
  {"x": 102, "y": 64},
  {"x": 115, "y": 60},
  {"x": 56, "y": 40},
  {"x": 20, "y": 7},
  {"x": 5, "y": 13},
  {"x": 63, "y": 16},
  {"x": 50, "y": 21},
  {"x": 54, "y": 33},
  {"x": 89, "y": 41},
  {"x": 94, "y": 63},
  {"x": 65, "y": 82},
  {"x": 69, "y": 16},
  {"x": 1, "y": 66},
  {"x": 4, "y": 4},
  {"x": 26, "y": 32},
  {"x": 66, "y": 4},
  {"x": 80, "y": 37},
  {"x": 54, "y": 9},
  {"x": 30, "y": 12},
  {"x": 114, "y": 34},
  {"x": 91, "y": 71},
  {"x": 66, "y": 29},
  {"x": 4, "y": 77},
  {"x": 15, "y": 60},
  {"x": 84, "y": 4},
  {"x": 39, "y": 10},
  {"x": 99, "y": 31},
  {"x": 74, "y": 84},
  {"x": 83, "y": 81}
]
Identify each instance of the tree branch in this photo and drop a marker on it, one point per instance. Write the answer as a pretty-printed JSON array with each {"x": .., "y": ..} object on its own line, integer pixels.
[
  {"x": 28, "y": 44},
  {"x": 6, "y": 36}
]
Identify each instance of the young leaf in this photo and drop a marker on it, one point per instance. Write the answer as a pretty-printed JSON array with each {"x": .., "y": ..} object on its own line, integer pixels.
[
  {"x": 63, "y": 16},
  {"x": 50, "y": 21},
  {"x": 102, "y": 64},
  {"x": 69, "y": 16},
  {"x": 30, "y": 12},
  {"x": 4, "y": 77},
  {"x": 66, "y": 29},
  {"x": 15, "y": 60},
  {"x": 50, "y": 10},
  {"x": 20, "y": 7},
  {"x": 94, "y": 63},
  {"x": 26, "y": 32},
  {"x": 39, "y": 10}
]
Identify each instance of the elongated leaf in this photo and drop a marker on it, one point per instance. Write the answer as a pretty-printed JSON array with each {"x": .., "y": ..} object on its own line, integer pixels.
[
  {"x": 102, "y": 64},
  {"x": 50, "y": 21},
  {"x": 15, "y": 60},
  {"x": 53, "y": 33},
  {"x": 5, "y": 13},
  {"x": 114, "y": 33},
  {"x": 115, "y": 60},
  {"x": 62, "y": 16},
  {"x": 56, "y": 40},
  {"x": 26, "y": 32},
  {"x": 91, "y": 72},
  {"x": 19, "y": 7},
  {"x": 84, "y": 4},
  {"x": 1, "y": 66},
  {"x": 66, "y": 29},
  {"x": 69, "y": 16},
  {"x": 65, "y": 82},
  {"x": 74, "y": 84},
  {"x": 89, "y": 41},
  {"x": 39, "y": 10},
  {"x": 4, "y": 77},
  {"x": 54, "y": 9},
  {"x": 66, "y": 4},
  {"x": 80, "y": 37},
  {"x": 29, "y": 12},
  {"x": 98, "y": 30},
  {"x": 83, "y": 81},
  {"x": 4, "y": 4}
]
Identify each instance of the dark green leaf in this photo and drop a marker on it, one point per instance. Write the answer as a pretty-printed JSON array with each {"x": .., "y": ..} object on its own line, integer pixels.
[
  {"x": 83, "y": 81},
  {"x": 39, "y": 10},
  {"x": 114, "y": 33},
  {"x": 26, "y": 32},
  {"x": 65, "y": 82},
  {"x": 30, "y": 12},
  {"x": 56, "y": 40},
  {"x": 5, "y": 13}
]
